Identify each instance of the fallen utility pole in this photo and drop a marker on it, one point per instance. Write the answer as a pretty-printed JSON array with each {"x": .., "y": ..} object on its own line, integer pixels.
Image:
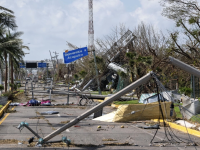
[
  {"x": 132, "y": 86},
  {"x": 184, "y": 66}
]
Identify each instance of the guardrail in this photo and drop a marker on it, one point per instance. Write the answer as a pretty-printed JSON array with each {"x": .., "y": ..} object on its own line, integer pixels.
[{"x": 4, "y": 108}]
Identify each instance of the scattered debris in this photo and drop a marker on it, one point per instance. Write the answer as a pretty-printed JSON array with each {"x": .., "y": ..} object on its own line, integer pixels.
[
  {"x": 99, "y": 127},
  {"x": 9, "y": 141},
  {"x": 157, "y": 126},
  {"x": 38, "y": 117},
  {"x": 117, "y": 144},
  {"x": 109, "y": 139},
  {"x": 77, "y": 126},
  {"x": 10, "y": 111},
  {"x": 64, "y": 122},
  {"x": 49, "y": 112},
  {"x": 48, "y": 122},
  {"x": 122, "y": 126}
]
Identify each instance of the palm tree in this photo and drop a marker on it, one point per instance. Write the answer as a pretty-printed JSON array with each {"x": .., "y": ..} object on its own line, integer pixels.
[
  {"x": 7, "y": 21},
  {"x": 15, "y": 51}
]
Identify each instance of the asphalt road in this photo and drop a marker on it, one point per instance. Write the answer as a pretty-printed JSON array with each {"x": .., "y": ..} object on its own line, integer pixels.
[{"x": 85, "y": 134}]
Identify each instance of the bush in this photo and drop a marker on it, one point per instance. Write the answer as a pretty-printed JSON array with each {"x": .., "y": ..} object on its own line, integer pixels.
[
  {"x": 14, "y": 86},
  {"x": 9, "y": 94},
  {"x": 1, "y": 87},
  {"x": 185, "y": 90}
]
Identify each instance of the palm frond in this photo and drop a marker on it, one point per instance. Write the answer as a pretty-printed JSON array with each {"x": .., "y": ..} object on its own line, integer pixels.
[
  {"x": 9, "y": 43},
  {"x": 6, "y": 9}
]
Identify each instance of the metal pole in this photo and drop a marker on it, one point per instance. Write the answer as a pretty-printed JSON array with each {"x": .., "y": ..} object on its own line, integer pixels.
[
  {"x": 68, "y": 85},
  {"x": 32, "y": 89},
  {"x": 32, "y": 131},
  {"x": 95, "y": 63},
  {"x": 50, "y": 89},
  {"x": 47, "y": 70},
  {"x": 0, "y": 78},
  {"x": 185, "y": 67},
  {"x": 8, "y": 73},
  {"x": 96, "y": 108},
  {"x": 193, "y": 84},
  {"x": 25, "y": 87}
]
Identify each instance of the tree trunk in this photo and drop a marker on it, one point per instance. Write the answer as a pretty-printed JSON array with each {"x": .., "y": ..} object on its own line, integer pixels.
[
  {"x": 6, "y": 73},
  {"x": 11, "y": 74}
]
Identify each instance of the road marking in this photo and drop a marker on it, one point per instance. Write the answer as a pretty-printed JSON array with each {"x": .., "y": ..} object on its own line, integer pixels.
[
  {"x": 6, "y": 116},
  {"x": 58, "y": 115}
]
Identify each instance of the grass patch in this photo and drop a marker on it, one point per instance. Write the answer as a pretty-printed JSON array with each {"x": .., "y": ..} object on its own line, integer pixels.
[
  {"x": 20, "y": 91},
  {"x": 126, "y": 102},
  {"x": 195, "y": 118},
  {"x": 178, "y": 113},
  {"x": 102, "y": 92}
]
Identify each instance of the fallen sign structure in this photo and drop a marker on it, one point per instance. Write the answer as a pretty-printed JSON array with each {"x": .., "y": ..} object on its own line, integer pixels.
[
  {"x": 127, "y": 89},
  {"x": 88, "y": 95}
]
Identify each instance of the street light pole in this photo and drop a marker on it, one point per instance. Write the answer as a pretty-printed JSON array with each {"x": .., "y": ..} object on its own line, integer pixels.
[
  {"x": 68, "y": 84},
  {"x": 98, "y": 113}
]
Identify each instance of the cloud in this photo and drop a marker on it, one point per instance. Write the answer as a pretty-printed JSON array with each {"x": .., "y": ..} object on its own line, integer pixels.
[{"x": 48, "y": 24}]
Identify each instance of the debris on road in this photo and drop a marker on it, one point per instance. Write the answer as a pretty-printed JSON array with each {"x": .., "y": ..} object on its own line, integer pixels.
[
  {"x": 49, "y": 112},
  {"x": 40, "y": 117},
  {"x": 64, "y": 122},
  {"x": 157, "y": 126},
  {"x": 109, "y": 139}
]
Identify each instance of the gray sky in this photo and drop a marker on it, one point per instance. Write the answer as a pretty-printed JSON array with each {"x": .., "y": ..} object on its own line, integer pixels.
[{"x": 48, "y": 24}]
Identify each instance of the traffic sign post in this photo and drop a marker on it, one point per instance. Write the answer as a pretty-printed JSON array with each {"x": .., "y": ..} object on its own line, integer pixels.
[
  {"x": 73, "y": 55},
  {"x": 22, "y": 65},
  {"x": 42, "y": 65},
  {"x": 70, "y": 56}
]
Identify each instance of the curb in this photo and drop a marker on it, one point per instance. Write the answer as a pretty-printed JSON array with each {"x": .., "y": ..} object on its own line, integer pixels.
[
  {"x": 4, "y": 108},
  {"x": 181, "y": 128}
]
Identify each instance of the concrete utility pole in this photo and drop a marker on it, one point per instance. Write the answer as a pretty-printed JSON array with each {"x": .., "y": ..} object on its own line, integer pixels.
[{"x": 54, "y": 68}]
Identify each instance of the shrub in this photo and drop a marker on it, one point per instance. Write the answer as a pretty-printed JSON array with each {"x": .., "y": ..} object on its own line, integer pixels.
[
  {"x": 1, "y": 87},
  {"x": 9, "y": 94},
  {"x": 185, "y": 90}
]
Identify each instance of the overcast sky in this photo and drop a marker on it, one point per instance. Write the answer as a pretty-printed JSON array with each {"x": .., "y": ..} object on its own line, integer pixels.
[{"x": 48, "y": 24}]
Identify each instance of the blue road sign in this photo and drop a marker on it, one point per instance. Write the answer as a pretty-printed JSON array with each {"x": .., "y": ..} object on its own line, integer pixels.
[
  {"x": 22, "y": 65},
  {"x": 42, "y": 65},
  {"x": 75, "y": 54}
]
